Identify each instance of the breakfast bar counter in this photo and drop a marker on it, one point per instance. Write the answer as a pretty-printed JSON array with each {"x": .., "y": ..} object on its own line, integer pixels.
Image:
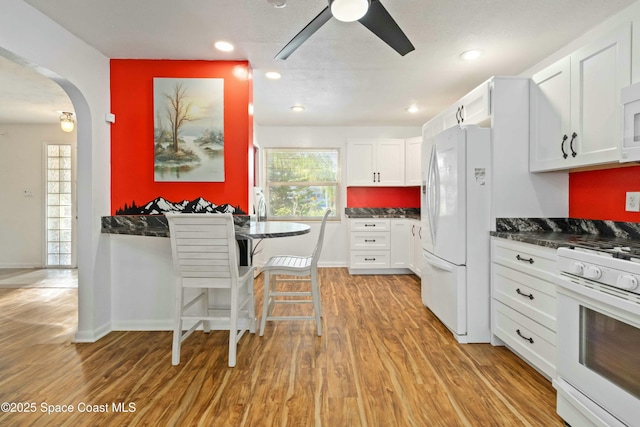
[{"x": 142, "y": 294}]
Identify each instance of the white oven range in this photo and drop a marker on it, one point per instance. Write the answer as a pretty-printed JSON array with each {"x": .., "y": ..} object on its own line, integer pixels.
[{"x": 598, "y": 335}]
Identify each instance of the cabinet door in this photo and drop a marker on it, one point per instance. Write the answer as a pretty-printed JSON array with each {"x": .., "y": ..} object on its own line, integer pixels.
[
  {"x": 389, "y": 167},
  {"x": 361, "y": 162},
  {"x": 476, "y": 108},
  {"x": 451, "y": 116},
  {"x": 473, "y": 108},
  {"x": 598, "y": 72},
  {"x": 412, "y": 151},
  {"x": 400, "y": 243},
  {"x": 416, "y": 251},
  {"x": 550, "y": 117},
  {"x": 433, "y": 127}
]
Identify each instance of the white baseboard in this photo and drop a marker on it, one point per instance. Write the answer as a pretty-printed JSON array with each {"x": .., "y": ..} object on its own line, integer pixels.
[
  {"x": 92, "y": 336},
  {"x": 143, "y": 325},
  {"x": 21, "y": 265}
]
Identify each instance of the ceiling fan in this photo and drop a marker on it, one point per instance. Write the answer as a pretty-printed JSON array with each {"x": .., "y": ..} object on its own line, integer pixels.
[{"x": 370, "y": 13}]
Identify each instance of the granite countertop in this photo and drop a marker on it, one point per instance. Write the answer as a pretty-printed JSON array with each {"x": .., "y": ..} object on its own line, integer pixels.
[
  {"x": 412, "y": 213},
  {"x": 157, "y": 226},
  {"x": 559, "y": 232}
]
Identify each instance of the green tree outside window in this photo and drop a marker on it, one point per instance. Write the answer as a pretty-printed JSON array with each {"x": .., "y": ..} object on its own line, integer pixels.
[{"x": 302, "y": 183}]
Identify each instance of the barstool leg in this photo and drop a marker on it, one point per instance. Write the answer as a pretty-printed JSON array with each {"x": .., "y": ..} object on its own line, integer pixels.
[{"x": 265, "y": 302}]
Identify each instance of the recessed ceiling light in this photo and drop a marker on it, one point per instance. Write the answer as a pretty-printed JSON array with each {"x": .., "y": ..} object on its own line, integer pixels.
[
  {"x": 278, "y": 4},
  {"x": 412, "y": 109},
  {"x": 224, "y": 46},
  {"x": 470, "y": 55},
  {"x": 297, "y": 108},
  {"x": 273, "y": 75}
]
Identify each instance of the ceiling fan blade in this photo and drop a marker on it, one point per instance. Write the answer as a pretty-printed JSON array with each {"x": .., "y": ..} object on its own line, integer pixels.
[
  {"x": 379, "y": 22},
  {"x": 306, "y": 32}
]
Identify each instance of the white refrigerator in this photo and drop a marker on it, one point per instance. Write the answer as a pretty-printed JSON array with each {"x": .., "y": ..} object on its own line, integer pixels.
[{"x": 456, "y": 203}]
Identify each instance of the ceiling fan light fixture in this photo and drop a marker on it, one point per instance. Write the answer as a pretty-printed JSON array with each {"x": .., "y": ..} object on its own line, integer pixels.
[
  {"x": 297, "y": 108},
  {"x": 66, "y": 121},
  {"x": 349, "y": 10},
  {"x": 412, "y": 109}
]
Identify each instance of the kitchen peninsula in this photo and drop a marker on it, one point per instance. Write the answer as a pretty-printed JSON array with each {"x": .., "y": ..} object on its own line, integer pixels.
[{"x": 142, "y": 266}]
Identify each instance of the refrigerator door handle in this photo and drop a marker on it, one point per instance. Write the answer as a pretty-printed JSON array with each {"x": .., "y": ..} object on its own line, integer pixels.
[
  {"x": 436, "y": 211},
  {"x": 430, "y": 201},
  {"x": 437, "y": 263}
]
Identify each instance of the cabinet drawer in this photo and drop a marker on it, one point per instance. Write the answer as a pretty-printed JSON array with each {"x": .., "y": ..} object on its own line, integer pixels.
[
  {"x": 363, "y": 240},
  {"x": 369, "y": 259},
  {"x": 370, "y": 224},
  {"x": 537, "y": 261},
  {"x": 529, "y": 339},
  {"x": 531, "y": 296}
]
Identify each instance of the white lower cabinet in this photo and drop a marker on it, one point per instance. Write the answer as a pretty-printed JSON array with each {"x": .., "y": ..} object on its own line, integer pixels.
[
  {"x": 415, "y": 257},
  {"x": 380, "y": 245},
  {"x": 523, "y": 301},
  {"x": 400, "y": 252}
]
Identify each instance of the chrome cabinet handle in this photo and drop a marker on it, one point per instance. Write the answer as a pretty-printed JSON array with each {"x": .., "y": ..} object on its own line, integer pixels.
[
  {"x": 369, "y": 259},
  {"x": 529, "y": 260},
  {"x": 519, "y": 292},
  {"x": 370, "y": 240},
  {"x": 523, "y": 337}
]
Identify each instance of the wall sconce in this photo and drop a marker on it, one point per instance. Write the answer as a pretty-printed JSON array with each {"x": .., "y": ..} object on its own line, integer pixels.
[{"x": 66, "y": 121}]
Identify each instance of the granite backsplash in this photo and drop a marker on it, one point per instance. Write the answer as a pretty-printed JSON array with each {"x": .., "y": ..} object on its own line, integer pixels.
[
  {"x": 572, "y": 226},
  {"x": 413, "y": 213}
]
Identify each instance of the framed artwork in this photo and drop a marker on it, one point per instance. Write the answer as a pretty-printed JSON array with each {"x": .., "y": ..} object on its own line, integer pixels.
[{"x": 188, "y": 130}]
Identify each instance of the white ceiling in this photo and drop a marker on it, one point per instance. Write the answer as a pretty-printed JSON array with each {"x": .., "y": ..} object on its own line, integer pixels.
[{"x": 344, "y": 75}]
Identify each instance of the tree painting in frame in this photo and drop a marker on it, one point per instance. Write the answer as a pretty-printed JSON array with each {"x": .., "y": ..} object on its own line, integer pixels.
[{"x": 188, "y": 134}]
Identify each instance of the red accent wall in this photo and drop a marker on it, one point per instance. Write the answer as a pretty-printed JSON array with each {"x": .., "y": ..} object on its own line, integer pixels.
[
  {"x": 132, "y": 133},
  {"x": 601, "y": 194},
  {"x": 383, "y": 197}
]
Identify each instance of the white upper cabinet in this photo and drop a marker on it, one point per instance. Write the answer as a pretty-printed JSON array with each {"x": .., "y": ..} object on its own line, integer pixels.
[
  {"x": 575, "y": 105},
  {"x": 473, "y": 108},
  {"x": 375, "y": 162},
  {"x": 550, "y": 116},
  {"x": 412, "y": 153}
]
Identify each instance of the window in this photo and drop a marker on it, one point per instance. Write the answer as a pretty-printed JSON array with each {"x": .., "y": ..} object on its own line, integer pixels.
[
  {"x": 59, "y": 208},
  {"x": 302, "y": 182}
]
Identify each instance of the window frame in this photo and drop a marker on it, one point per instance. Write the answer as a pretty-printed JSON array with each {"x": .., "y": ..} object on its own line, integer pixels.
[{"x": 334, "y": 216}]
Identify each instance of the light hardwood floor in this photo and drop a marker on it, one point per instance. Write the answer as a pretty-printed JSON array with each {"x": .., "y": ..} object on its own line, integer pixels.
[{"x": 384, "y": 360}]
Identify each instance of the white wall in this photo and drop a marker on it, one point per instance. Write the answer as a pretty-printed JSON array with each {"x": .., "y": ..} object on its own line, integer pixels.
[
  {"x": 22, "y": 168},
  {"x": 335, "y": 252},
  {"x": 33, "y": 40}
]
